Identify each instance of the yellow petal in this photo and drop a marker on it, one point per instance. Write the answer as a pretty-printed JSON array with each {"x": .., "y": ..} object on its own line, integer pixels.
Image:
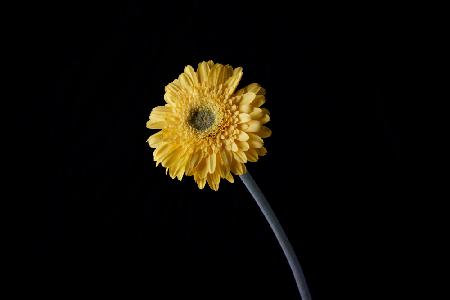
[
  {"x": 158, "y": 117},
  {"x": 229, "y": 177},
  {"x": 220, "y": 169},
  {"x": 247, "y": 98},
  {"x": 264, "y": 132},
  {"x": 178, "y": 170},
  {"x": 159, "y": 113},
  {"x": 173, "y": 88},
  {"x": 245, "y": 108},
  {"x": 156, "y": 139},
  {"x": 161, "y": 152},
  {"x": 257, "y": 113},
  {"x": 200, "y": 182},
  {"x": 265, "y": 119},
  {"x": 253, "y": 126},
  {"x": 243, "y": 136},
  {"x": 203, "y": 71},
  {"x": 243, "y": 146},
  {"x": 237, "y": 167},
  {"x": 185, "y": 82},
  {"x": 228, "y": 73},
  {"x": 243, "y": 118},
  {"x": 170, "y": 98},
  {"x": 255, "y": 141},
  {"x": 254, "y": 88},
  {"x": 159, "y": 124},
  {"x": 172, "y": 157},
  {"x": 213, "y": 181},
  {"x": 215, "y": 75},
  {"x": 265, "y": 110},
  {"x": 240, "y": 156},
  {"x": 259, "y": 100},
  {"x": 225, "y": 162},
  {"x": 193, "y": 161},
  {"x": 252, "y": 155},
  {"x": 190, "y": 73},
  {"x": 219, "y": 74},
  {"x": 243, "y": 126},
  {"x": 202, "y": 168},
  {"x": 233, "y": 81},
  {"x": 261, "y": 151},
  {"x": 244, "y": 169},
  {"x": 211, "y": 161}
]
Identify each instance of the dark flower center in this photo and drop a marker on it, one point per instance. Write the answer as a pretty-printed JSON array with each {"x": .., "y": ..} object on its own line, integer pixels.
[{"x": 201, "y": 118}]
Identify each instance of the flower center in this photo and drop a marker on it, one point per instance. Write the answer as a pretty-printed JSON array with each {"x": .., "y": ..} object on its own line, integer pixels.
[{"x": 201, "y": 118}]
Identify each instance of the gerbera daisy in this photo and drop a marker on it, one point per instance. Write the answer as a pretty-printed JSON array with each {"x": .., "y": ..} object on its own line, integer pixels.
[{"x": 208, "y": 129}]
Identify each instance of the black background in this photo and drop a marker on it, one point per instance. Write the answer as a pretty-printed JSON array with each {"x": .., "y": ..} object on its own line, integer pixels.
[{"x": 102, "y": 220}]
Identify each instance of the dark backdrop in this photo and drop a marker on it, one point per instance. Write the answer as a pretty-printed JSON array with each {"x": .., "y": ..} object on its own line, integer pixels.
[{"x": 103, "y": 220}]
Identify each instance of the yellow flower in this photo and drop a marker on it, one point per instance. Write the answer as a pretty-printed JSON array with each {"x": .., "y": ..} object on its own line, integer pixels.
[{"x": 207, "y": 129}]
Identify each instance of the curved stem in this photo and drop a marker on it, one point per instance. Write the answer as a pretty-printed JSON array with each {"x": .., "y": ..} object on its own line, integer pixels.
[{"x": 253, "y": 188}]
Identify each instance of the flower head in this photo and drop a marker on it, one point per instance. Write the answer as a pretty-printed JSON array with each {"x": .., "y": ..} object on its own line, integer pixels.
[{"x": 208, "y": 129}]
